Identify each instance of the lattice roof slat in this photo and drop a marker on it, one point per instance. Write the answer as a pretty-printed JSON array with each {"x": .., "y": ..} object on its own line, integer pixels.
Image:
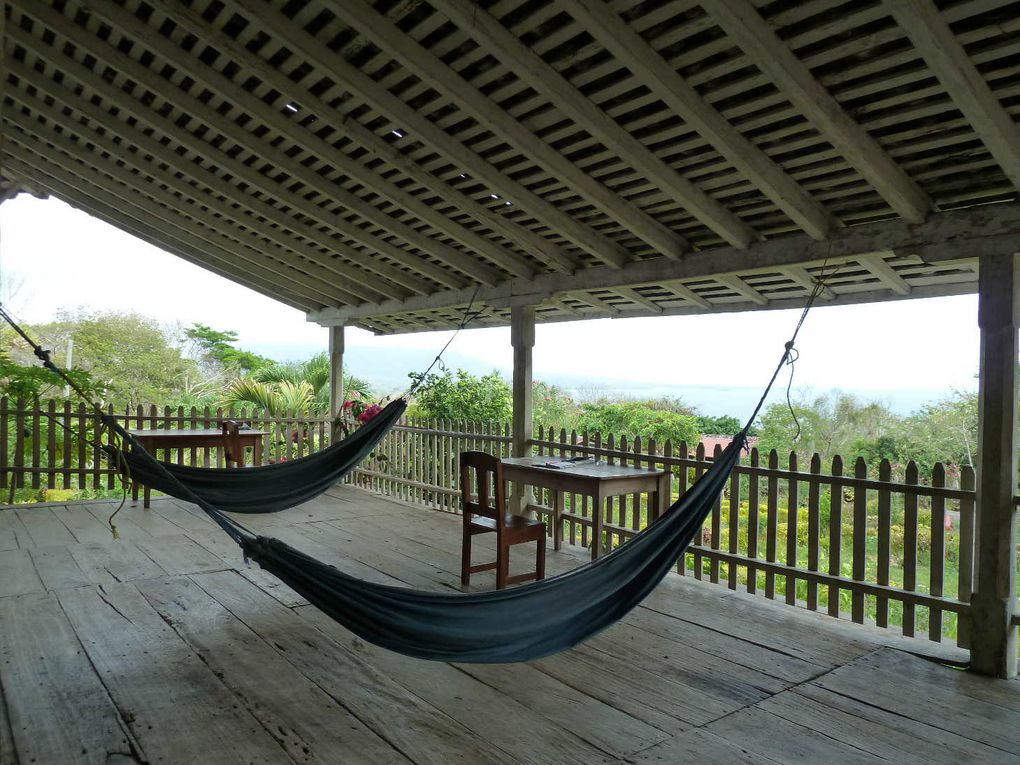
[{"x": 374, "y": 163}]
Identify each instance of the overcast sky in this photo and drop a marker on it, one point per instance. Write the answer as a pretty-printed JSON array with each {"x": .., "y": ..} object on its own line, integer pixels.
[{"x": 56, "y": 257}]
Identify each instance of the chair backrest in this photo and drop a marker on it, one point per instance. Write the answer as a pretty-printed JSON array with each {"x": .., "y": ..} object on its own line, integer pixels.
[
  {"x": 231, "y": 442},
  {"x": 482, "y": 488}
]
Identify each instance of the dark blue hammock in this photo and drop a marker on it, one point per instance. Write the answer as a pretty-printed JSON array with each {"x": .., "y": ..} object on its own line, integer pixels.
[
  {"x": 518, "y": 624},
  {"x": 266, "y": 488}
]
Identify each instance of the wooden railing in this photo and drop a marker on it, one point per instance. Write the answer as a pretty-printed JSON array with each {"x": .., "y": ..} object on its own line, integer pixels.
[
  {"x": 850, "y": 540},
  {"x": 50, "y": 445}
]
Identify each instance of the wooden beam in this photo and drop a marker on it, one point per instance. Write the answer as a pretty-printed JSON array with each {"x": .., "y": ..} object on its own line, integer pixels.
[
  {"x": 945, "y": 56},
  {"x": 522, "y": 338},
  {"x": 328, "y": 273},
  {"x": 741, "y": 22},
  {"x": 336, "y": 369},
  {"x": 553, "y": 255},
  {"x": 636, "y": 297},
  {"x": 631, "y": 50},
  {"x": 875, "y": 262},
  {"x": 351, "y": 79},
  {"x": 424, "y": 64},
  {"x": 527, "y": 65},
  {"x": 128, "y": 67},
  {"x": 800, "y": 276},
  {"x": 328, "y": 154},
  {"x": 947, "y": 236},
  {"x": 687, "y": 294},
  {"x": 993, "y": 604},
  {"x": 741, "y": 287},
  {"x": 366, "y": 270}
]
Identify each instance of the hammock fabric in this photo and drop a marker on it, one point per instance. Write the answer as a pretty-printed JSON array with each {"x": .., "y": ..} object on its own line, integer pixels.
[
  {"x": 519, "y": 624},
  {"x": 266, "y": 488}
]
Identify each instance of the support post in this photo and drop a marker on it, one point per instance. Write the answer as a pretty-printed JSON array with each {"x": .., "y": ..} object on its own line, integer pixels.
[
  {"x": 336, "y": 370},
  {"x": 522, "y": 338},
  {"x": 993, "y": 603}
]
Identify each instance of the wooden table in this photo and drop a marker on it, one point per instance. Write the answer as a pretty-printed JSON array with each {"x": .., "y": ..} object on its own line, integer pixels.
[
  {"x": 153, "y": 440},
  {"x": 592, "y": 479}
]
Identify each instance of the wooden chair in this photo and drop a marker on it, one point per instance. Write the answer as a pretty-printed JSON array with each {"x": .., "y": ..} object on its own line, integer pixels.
[
  {"x": 232, "y": 449},
  {"x": 482, "y": 517}
]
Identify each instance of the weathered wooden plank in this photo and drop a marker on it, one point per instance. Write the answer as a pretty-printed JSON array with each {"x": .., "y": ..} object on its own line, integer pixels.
[
  {"x": 177, "y": 554},
  {"x": 527, "y": 734},
  {"x": 700, "y": 746},
  {"x": 57, "y": 568},
  {"x": 17, "y": 574},
  {"x": 44, "y": 528},
  {"x": 119, "y": 561},
  {"x": 777, "y": 739},
  {"x": 968, "y": 705},
  {"x": 872, "y": 729},
  {"x": 178, "y": 707},
  {"x": 84, "y": 525},
  {"x": 610, "y": 730},
  {"x": 57, "y": 705},
  {"x": 341, "y": 671},
  {"x": 307, "y": 723}
]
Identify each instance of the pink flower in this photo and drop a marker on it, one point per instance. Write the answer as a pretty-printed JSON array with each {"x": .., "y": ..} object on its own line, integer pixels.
[
  {"x": 369, "y": 413},
  {"x": 347, "y": 405}
]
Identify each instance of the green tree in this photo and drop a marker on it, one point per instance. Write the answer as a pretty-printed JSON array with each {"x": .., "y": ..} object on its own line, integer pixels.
[
  {"x": 636, "y": 418},
  {"x": 132, "y": 357},
  {"x": 465, "y": 397},
  {"x": 945, "y": 431},
  {"x": 830, "y": 424},
  {"x": 216, "y": 352},
  {"x": 553, "y": 407},
  {"x": 722, "y": 425}
]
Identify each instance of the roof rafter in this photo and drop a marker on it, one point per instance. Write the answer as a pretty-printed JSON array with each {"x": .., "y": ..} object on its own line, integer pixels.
[
  {"x": 640, "y": 58},
  {"x": 740, "y": 20},
  {"x": 328, "y": 154},
  {"x": 426, "y": 65},
  {"x": 949, "y": 236},
  {"x": 366, "y": 276},
  {"x": 320, "y": 278},
  {"x": 530, "y": 67},
  {"x": 940, "y": 50},
  {"x": 524, "y": 238},
  {"x": 127, "y": 66},
  {"x": 406, "y": 118}
]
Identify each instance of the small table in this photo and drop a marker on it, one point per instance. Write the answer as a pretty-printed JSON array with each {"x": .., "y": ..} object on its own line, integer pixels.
[
  {"x": 593, "y": 479},
  {"x": 152, "y": 440}
]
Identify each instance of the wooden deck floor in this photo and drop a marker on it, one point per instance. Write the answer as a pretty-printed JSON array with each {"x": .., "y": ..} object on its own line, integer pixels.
[{"x": 164, "y": 647}]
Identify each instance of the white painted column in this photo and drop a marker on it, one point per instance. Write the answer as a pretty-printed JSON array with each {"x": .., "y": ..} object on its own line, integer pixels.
[
  {"x": 522, "y": 338},
  {"x": 336, "y": 369},
  {"x": 993, "y": 603}
]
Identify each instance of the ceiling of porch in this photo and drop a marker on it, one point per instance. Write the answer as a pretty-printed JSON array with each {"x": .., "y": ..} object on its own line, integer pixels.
[{"x": 382, "y": 163}]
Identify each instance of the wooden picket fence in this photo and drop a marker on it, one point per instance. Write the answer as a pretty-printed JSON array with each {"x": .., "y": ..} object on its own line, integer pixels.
[
  {"x": 51, "y": 444},
  {"x": 849, "y": 540},
  {"x": 841, "y": 539}
]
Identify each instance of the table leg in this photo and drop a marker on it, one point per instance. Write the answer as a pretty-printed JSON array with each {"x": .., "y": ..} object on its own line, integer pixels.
[
  {"x": 148, "y": 497},
  {"x": 256, "y": 453},
  {"x": 596, "y": 523},
  {"x": 557, "y": 518},
  {"x": 134, "y": 491},
  {"x": 663, "y": 495}
]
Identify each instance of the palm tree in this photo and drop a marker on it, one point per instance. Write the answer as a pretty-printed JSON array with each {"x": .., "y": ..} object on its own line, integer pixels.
[{"x": 301, "y": 387}]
